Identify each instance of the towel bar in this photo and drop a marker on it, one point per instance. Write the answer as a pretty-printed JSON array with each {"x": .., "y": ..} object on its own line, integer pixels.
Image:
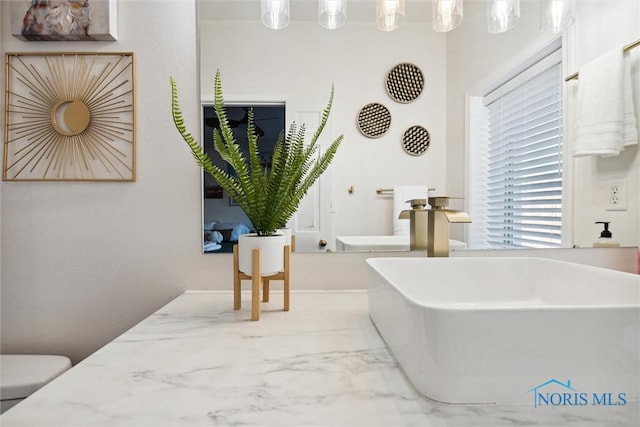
[
  {"x": 624, "y": 49},
  {"x": 381, "y": 190}
]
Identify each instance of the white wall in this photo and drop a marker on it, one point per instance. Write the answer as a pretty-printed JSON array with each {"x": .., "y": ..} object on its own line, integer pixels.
[
  {"x": 473, "y": 56},
  {"x": 600, "y": 28},
  {"x": 300, "y": 63},
  {"x": 82, "y": 261}
]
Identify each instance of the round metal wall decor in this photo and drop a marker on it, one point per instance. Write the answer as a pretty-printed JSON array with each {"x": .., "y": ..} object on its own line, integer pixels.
[
  {"x": 374, "y": 120},
  {"x": 416, "y": 140},
  {"x": 404, "y": 82}
]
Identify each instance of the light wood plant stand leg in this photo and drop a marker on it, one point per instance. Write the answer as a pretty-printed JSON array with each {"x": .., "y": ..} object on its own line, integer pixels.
[
  {"x": 265, "y": 283},
  {"x": 256, "y": 279}
]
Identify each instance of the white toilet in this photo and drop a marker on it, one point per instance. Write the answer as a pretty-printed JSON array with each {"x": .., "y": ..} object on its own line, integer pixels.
[{"x": 23, "y": 374}]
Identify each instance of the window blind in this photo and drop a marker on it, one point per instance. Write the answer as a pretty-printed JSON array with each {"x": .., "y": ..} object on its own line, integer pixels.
[{"x": 523, "y": 195}]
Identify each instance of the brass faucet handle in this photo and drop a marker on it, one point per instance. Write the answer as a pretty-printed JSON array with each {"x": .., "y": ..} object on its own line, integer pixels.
[
  {"x": 439, "y": 202},
  {"x": 417, "y": 203}
]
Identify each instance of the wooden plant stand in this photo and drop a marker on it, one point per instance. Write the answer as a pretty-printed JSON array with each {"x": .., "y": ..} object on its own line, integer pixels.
[{"x": 256, "y": 279}]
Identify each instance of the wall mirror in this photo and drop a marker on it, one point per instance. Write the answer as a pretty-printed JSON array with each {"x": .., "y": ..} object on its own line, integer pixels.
[{"x": 301, "y": 62}]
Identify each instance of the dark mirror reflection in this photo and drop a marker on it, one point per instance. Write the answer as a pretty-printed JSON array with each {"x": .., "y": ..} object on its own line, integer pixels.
[{"x": 224, "y": 221}]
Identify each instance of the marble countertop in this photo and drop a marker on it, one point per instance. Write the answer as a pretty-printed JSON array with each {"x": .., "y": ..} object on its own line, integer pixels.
[{"x": 197, "y": 362}]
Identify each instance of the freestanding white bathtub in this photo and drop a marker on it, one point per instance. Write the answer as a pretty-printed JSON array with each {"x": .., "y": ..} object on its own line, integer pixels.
[{"x": 501, "y": 330}]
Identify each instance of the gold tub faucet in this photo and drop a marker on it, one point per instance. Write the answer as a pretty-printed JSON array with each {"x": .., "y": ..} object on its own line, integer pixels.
[
  {"x": 418, "y": 221},
  {"x": 429, "y": 228},
  {"x": 438, "y": 222}
]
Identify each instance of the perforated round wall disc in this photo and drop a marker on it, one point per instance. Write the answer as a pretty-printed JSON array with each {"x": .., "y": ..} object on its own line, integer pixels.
[
  {"x": 416, "y": 140},
  {"x": 374, "y": 120},
  {"x": 404, "y": 82}
]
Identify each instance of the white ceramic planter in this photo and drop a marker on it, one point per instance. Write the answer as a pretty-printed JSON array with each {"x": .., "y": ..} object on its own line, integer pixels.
[
  {"x": 271, "y": 253},
  {"x": 287, "y": 235}
]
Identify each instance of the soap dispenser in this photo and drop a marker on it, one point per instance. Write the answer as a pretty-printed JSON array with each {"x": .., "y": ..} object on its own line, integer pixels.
[{"x": 605, "y": 240}]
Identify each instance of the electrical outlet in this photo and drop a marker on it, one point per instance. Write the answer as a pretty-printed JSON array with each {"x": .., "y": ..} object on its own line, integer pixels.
[{"x": 616, "y": 193}]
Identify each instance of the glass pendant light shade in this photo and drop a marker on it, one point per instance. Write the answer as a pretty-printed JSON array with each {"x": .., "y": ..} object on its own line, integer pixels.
[
  {"x": 502, "y": 15},
  {"x": 390, "y": 14},
  {"x": 446, "y": 14},
  {"x": 332, "y": 14},
  {"x": 557, "y": 15},
  {"x": 275, "y": 13}
]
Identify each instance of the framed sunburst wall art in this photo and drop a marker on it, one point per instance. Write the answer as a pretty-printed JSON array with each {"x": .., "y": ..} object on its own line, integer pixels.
[
  {"x": 69, "y": 117},
  {"x": 64, "y": 20}
]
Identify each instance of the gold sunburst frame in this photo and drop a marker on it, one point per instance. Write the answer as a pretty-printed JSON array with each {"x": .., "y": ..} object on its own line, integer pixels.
[{"x": 69, "y": 117}]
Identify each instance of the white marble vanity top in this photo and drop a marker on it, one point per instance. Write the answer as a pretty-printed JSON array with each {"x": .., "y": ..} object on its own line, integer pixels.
[{"x": 196, "y": 362}]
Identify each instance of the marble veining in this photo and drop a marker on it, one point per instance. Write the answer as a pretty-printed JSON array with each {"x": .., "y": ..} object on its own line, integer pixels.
[{"x": 197, "y": 362}]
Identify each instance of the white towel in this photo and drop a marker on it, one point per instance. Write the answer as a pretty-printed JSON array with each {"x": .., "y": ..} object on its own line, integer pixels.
[
  {"x": 629, "y": 123},
  {"x": 605, "y": 120},
  {"x": 402, "y": 193}
]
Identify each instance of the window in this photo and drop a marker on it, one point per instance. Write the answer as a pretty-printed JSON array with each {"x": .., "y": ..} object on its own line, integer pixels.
[{"x": 516, "y": 158}]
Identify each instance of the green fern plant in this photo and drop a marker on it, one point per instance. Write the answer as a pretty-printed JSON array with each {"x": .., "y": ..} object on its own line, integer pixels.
[{"x": 268, "y": 199}]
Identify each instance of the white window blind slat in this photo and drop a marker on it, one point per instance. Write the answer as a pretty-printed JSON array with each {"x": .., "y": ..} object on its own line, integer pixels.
[
  {"x": 533, "y": 234},
  {"x": 519, "y": 189},
  {"x": 513, "y": 149},
  {"x": 547, "y": 163},
  {"x": 529, "y": 127},
  {"x": 524, "y": 138},
  {"x": 532, "y": 107},
  {"x": 549, "y": 177},
  {"x": 524, "y": 197},
  {"x": 545, "y": 118},
  {"x": 536, "y": 226}
]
